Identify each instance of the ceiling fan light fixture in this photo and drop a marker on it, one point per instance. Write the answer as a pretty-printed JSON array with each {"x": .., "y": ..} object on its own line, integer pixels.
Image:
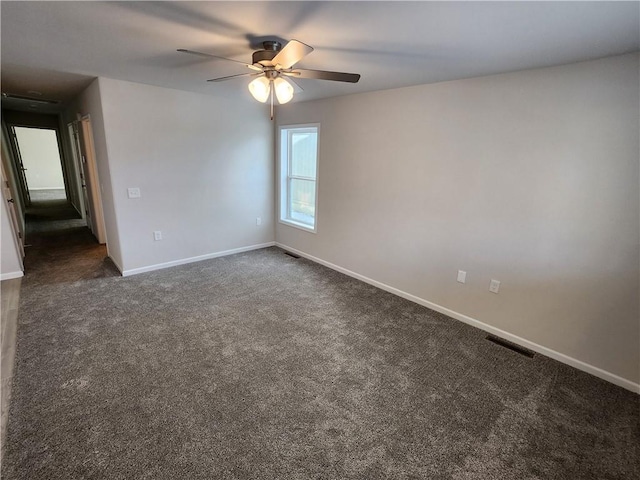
[
  {"x": 273, "y": 63},
  {"x": 283, "y": 90},
  {"x": 260, "y": 89}
]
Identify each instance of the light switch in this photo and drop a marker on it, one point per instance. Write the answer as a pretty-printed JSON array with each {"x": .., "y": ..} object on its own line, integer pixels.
[
  {"x": 134, "y": 192},
  {"x": 494, "y": 286},
  {"x": 462, "y": 276}
]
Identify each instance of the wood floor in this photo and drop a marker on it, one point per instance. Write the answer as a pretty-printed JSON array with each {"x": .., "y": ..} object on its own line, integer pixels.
[{"x": 10, "y": 294}]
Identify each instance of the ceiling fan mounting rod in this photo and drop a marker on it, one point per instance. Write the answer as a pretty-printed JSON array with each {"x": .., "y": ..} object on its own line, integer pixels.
[
  {"x": 263, "y": 57},
  {"x": 272, "y": 45}
]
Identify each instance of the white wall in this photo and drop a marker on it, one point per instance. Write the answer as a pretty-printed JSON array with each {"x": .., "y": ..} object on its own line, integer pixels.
[
  {"x": 41, "y": 157},
  {"x": 531, "y": 178},
  {"x": 204, "y": 166}
]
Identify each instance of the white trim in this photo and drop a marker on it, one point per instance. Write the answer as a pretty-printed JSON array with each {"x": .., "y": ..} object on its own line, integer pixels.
[
  {"x": 301, "y": 226},
  {"x": 91, "y": 160},
  {"x": 561, "y": 357},
  {"x": 174, "y": 263},
  {"x": 283, "y": 187},
  {"x": 46, "y": 188},
  {"x": 11, "y": 275}
]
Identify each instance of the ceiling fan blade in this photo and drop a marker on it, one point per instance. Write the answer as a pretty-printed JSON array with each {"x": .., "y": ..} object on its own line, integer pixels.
[
  {"x": 208, "y": 55},
  {"x": 291, "y": 54},
  {"x": 324, "y": 75},
  {"x": 296, "y": 86},
  {"x": 221, "y": 79}
]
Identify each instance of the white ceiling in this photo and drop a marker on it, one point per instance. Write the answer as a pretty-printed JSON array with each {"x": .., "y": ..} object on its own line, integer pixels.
[{"x": 391, "y": 44}]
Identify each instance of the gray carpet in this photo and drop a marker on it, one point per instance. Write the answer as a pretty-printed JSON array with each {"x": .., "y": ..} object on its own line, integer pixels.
[
  {"x": 49, "y": 218},
  {"x": 262, "y": 366}
]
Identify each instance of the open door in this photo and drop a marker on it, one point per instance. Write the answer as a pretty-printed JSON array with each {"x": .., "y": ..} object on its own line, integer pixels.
[
  {"x": 8, "y": 197},
  {"x": 76, "y": 152},
  {"x": 91, "y": 180},
  {"x": 76, "y": 177},
  {"x": 22, "y": 177}
]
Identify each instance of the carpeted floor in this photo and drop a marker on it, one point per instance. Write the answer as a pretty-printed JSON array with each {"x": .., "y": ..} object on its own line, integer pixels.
[{"x": 263, "y": 366}]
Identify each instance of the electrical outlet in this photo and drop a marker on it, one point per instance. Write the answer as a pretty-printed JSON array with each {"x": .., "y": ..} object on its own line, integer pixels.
[
  {"x": 157, "y": 235},
  {"x": 258, "y": 221},
  {"x": 133, "y": 192},
  {"x": 494, "y": 286},
  {"x": 462, "y": 276}
]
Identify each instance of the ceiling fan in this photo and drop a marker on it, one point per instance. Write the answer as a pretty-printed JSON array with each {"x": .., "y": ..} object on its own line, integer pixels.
[{"x": 273, "y": 67}]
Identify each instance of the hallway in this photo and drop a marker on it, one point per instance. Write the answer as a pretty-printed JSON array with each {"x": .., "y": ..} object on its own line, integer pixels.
[{"x": 60, "y": 247}]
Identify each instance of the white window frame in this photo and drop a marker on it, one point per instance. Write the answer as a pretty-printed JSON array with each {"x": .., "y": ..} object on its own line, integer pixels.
[{"x": 284, "y": 174}]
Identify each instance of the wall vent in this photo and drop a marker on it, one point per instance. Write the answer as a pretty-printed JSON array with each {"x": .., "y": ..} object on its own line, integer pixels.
[{"x": 510, "y": 346}]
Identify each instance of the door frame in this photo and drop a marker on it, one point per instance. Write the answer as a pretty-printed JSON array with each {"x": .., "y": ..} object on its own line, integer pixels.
[
  {"x": 19, "y": 166},
  {"x": 91, "y": 177},
  {"x": 76, "y": 155}
]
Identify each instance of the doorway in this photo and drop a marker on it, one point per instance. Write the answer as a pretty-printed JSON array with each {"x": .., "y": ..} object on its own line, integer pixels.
[
  {"x": 59, "y": 196},
  {"x": 37, "y": 153},
  {"x": 53, "y": 180},
  {"x": 84, "y": 161},
  {"x": 37, "y": 158},
  {"x": 41, "y": 162}
]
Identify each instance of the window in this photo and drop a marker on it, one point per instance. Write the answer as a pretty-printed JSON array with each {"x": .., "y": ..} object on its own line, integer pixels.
[{"x": 299, "y": 175}]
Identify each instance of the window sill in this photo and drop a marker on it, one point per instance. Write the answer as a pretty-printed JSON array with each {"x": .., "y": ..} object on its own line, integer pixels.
[{"x": 300, "y": 226}]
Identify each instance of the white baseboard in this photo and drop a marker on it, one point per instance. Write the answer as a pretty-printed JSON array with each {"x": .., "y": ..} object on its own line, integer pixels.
[
  {"x": 580, "y": 365},
  {"x": 11, "y": 275},
  {"x": 174, "y": 263}
]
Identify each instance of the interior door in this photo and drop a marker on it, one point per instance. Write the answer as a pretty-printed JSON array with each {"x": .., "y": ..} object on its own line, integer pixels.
[
  {"x": 8, "y": 197},
  {"x": 92, "y": 182},
  {"x": 75, "y": 173},
  {"x": 81, "y": 166},
  {"x": 21, "y": 170}
]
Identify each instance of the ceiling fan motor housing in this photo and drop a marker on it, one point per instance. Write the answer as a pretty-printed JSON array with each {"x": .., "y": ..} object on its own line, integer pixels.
[{"x": 264, "y": 57}]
